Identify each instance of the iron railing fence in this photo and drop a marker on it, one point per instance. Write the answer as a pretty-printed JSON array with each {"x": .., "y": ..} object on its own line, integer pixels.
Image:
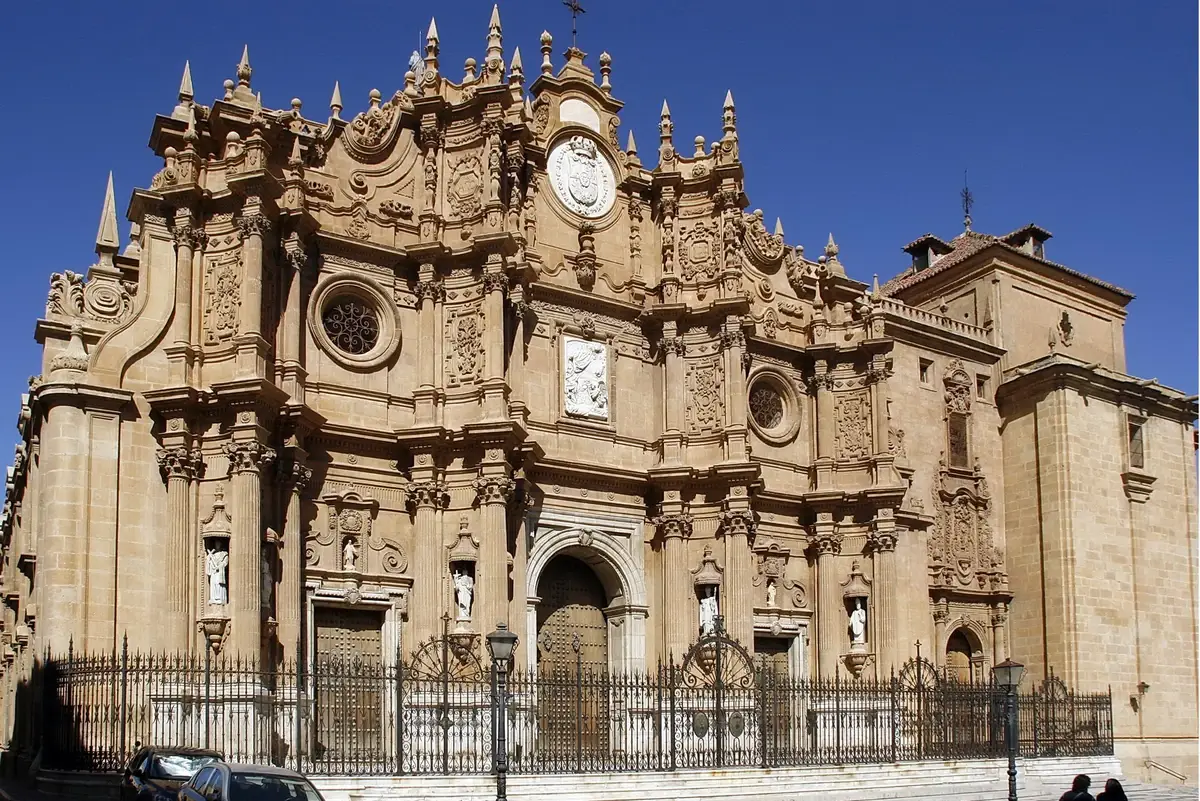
[{"x": 354, "y": 717}]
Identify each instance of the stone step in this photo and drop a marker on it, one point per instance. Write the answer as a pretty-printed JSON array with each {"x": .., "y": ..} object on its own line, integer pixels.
[{"x": 1140, "y": 791}]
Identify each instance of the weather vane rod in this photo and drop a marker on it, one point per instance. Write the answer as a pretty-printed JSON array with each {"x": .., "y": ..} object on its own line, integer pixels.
[
  {"x": 576, "y": 10},
  {"x": 968, "y": 200}
]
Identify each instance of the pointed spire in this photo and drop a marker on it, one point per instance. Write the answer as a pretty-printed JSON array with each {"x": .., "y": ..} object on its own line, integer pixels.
[
  {"x": 779, "y": 228},
  {"x": 875, "y": 286},
  {"x": 831, "y": 248},
  {"x": 527, "y": 111},
  {"x": 494, "y": 23},
  {"x": 547, "y": 46},
  {"x": 294, "y": 159},
  {"x": 517, "y": 67},
  {"x": 631, "y": 146},
  {"x": 729, "y": 117},
  {"x": 185, "y": 85},
  {"x": 335, "y": 102},
  {"x": 244, "y": 71},
  {"x": 493, "y": 62},
  {"x": 106, "y": 236},
  {"x": 665, "y": 126},
  {"x": 431, "y": 47}
]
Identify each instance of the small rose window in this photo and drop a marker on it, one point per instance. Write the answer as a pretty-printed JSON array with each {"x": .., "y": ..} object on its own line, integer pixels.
[
  {"x": 766, "y": 404},
  {"x": 351, "y": 325},
  {"x": 774, "y": 408}
]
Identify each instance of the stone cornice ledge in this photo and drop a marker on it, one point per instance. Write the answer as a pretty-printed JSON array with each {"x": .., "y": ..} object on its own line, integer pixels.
[
  {"x": 1138, "y": 485},
  {"x": 88, "y": 397}
]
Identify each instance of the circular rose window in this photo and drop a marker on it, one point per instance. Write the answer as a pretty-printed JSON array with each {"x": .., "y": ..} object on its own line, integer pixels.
[
  {"x": 774, "y": 407},
  {"x": 351, "y": 325}
]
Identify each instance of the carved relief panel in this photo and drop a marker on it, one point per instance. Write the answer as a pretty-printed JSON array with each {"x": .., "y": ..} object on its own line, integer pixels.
[
  {"x": 464, "y": 345},
  {"x": 222, "y": 297},
  {"x": 706, "y": 396},
  {"x": 585, "y": 378},
  {"x": 853, "y": 426}
]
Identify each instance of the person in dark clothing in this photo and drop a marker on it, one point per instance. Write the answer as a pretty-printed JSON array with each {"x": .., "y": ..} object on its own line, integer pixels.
[
  {"x": 1079, "y": 789},
  {"x": 1113, "y": 791}
]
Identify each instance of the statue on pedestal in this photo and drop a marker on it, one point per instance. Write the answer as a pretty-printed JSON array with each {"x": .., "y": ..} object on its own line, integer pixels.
[
  {"x": 858, "y": 624},
  {"x": 708, "y": 611},
  {"x": 349, "y": 556},
  {"x": 464, "y": 591},
  {"x": 216, "y": 567}
]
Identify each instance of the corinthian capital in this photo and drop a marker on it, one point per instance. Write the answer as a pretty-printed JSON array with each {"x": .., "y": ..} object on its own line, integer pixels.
[
  {"x": 254, "y": 224},
  {"x": 295, "y": 475},
  {"x": 738, "y": 521},
  {"x": 179, "y": 462},
  {"x": 674, "y": 526},
  {"x": 251, "y": 456},
  {"x": 495, "y": 282},
  {"x": 826, "y": 544},
  {"x": 882, "y": 541},
  {"x": 427, "y": 494},
  {"x": 494, "y": 489}
]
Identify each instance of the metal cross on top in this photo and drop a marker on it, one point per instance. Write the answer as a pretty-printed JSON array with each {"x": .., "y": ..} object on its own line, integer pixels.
[
  {"x": 968, "y": 200},
  {"x": 576, "y": 10}
]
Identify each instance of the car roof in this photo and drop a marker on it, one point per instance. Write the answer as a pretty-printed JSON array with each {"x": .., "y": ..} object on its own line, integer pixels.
[
  {"x": 183, "y": 751},
  {"x": 264, "y": 770}
]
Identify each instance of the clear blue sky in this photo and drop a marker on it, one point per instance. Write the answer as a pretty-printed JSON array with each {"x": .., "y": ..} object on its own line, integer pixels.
[{"x": 855, "y": 118}]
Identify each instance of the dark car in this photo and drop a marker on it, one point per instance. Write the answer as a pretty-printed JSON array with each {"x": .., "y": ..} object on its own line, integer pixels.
[
  {"x": 223, "y": 782},
  {"x": 156, "y": 774}
]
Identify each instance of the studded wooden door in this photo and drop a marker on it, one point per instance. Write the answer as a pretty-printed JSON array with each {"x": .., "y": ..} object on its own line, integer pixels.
[
  {"x": 348, "y": 664},
  {"x": 572, "y": 648},
  {"x": 771, "y": 660}
]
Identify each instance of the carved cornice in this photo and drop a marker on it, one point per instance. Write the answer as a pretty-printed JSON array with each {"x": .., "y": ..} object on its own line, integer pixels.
[{"x": 249, "y": 456}]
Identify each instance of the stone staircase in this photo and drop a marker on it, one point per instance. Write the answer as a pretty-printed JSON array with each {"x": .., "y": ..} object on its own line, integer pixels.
[{"x": 1138, "y": 791}]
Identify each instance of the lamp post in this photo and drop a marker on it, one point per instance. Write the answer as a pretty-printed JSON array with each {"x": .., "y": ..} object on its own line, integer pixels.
[
  {"x": 1008, "y": 675},
  {"x": 500, "y": 644}
]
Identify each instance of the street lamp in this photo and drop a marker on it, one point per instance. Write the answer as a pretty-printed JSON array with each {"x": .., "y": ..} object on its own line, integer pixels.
[
  {"x": 1008, "y": 675},
  {"x": 500, "y": 645}
]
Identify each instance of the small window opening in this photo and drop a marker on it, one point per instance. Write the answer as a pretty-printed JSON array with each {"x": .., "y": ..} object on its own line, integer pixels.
[
  {"x": 981, "y": 387},
  {"x": 1137, "y": 443},
  {"x": 926, "y": 367}
]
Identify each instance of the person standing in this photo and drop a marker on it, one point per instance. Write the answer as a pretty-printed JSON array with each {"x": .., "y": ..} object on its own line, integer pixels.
[{"x": 1079, "y": 789}]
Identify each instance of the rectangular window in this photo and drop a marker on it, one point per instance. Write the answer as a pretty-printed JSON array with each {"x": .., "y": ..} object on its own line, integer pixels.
[
  {"x": 960, "y": 449},
  {"x": 981, "y": 387},
  {"x": 926, "y": 370},
  {"x": 1137, "y": 443}
]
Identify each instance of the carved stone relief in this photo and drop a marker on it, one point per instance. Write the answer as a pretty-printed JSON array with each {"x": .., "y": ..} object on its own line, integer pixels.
[
  {"x": 103, "y": 299},
  {"x": 222, "y": 297},
  {"x": 464, "y": 189},
  {"x": 585, "y": 378},
  {"x": 697, "y": 251},
  {"x": 464, "y": 336},
  {"x": 853, "y": 426},
  {"x": 706, "y": 396}
]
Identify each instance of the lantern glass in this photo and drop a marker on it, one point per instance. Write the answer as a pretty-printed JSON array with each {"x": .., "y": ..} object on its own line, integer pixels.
[
  {"x": 1008, "y": 674},
  {"x": 501, "y": 643}
]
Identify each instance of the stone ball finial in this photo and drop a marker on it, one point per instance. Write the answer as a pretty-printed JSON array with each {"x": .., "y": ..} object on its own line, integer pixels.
[
  {"x": 232, "y": 136},
  {"x": 170, "y": 152},
  {"x": 699, "y": 142},
  {"x": 547, "y": 39},
  {"x": 296, "y": 104},
  {"x": 374, "y": 95},
  {"x": 228, "y": 85},
  {"x": 605, "y": 59},
  {"x": 470, "y": 63}
]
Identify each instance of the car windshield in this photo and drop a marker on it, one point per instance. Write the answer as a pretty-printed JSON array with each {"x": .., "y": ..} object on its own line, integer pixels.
[
  {"x": 260, "y": 787},
  {"x": 179, "y": 767}
]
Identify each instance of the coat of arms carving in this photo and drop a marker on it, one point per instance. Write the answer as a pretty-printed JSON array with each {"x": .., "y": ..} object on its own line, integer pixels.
[{"x": 582, "y": 177}]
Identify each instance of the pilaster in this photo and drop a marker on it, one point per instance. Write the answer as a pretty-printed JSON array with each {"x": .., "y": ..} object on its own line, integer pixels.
[
  {"x": 180, "y": 466},
  {"x": 674, "y": 529},
  {"x": 247, "y": 458},
  {"x": 733, "y": 347},
  {"x": 737, "y": 526},
  {"x": 430, "y": 294},
  {"x": 427, "y": 497},
  {"x": 827, "y": 546},
  {"x": 493, "y": 488},
  {"x": 673, "y": 350},
  {"x": 495, "y": 288},
  {"x": 254, "y": 226},
  {"x": 295, "y": 475},
  {"x": 882, "y": 542}
]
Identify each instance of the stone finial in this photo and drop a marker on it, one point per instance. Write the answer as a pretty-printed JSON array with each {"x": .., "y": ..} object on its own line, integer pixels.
[
  {"x": 431, "y": 47},
  {"x": 244, "y": 71},
  {"x": 516, "y": 75},
  {"x": 190, "y": 135},
  {"x": 335, "y": 102},
  {"x": 831, "y": 249},
  {"x": 410, "y": 84},
  {"x": 107, "y": 241},
  {"x": 469, "y": 70},
  {"x": 779, "y": 228},
  {"x": 547, "y": 48},
  {"x": 665, "y": 127},
  {"x": 493, "y": 61},
  {"x": 229, "y": 84},
  {"x": 186, "y": 95},
  {"x": 631, "y": 145},
  {"x": 875, "y": 286},
  {"x": 74, "y": 357},
  {"x": 606, "y": 73},
  {"x": 729, "y": 117},
  {"x": 294, "y": 159},
  {"x": 699, "y": 143}
]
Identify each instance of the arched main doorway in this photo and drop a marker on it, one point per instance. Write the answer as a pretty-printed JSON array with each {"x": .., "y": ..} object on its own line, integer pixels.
[
  {"x": 571, "y": 610},
  {"x": 964, "y": 657}
]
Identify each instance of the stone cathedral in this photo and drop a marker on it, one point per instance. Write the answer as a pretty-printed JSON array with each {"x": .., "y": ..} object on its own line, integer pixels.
[{"x": 464, "y": 355}]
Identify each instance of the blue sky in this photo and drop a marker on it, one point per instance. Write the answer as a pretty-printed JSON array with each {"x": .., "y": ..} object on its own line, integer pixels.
[{"x": 855, "y": 118}]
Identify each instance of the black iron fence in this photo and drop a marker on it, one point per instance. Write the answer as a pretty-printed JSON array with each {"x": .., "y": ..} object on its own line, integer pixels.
[{"x": 434, "y": 713}]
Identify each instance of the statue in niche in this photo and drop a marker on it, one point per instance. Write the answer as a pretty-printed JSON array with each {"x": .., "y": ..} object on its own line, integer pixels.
[
  {"x": 349, "y": 557},
  {"x": 771, "y": 592},
  {"x": 464, "y": 591},
  {"x": 858, "y": 624},
  {"x": 268, "y": 581},
  {"x": 216, "y": 568},
  {"x": 709, "y": 611}
]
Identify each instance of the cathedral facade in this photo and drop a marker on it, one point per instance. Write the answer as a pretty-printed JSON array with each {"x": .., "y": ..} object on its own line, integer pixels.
[{"x": 464, "y": 358}]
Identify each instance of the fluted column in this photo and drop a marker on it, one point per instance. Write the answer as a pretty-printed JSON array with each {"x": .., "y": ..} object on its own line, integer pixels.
[
  {"x": 495, "y": 287},
  {"x": 737, "y": 524},
  {"x": 516, "y": 363},
  {"x": 674, "y": 528},
  {"x": 187, "y": 239},
  {"x": 290, "y": 604},
  {"x": 246, "y": 461},
  {"x": 430, "y": 292},
  {"x": 823, "y": 387},
  {"x": 491, "y": 571},
  {"x": 882, "y": 542},
  {"x": 733, "y": 345},
  {"x": 254, "y": 226},
  {"x": 291, "y": 322},
  {"x": 831, "y": 616},
  {"x": 941, "y": 613},
  {"x": 429, "y": 562},
  {"x": 179, "y": 466},
  {"x": 999, "y": 633},
  {"x": 673, "y": 349}
]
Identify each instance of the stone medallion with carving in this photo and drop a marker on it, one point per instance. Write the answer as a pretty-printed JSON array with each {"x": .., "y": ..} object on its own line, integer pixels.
[
  {"x": 582, "y": 178},
  {"x": 773, "y": 405}
]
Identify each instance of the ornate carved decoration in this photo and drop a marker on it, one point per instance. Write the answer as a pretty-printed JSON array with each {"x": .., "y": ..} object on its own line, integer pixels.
[
  {"x": 464, "y": 334},
  {"x": 295, "y": 475},
  {"x": 495, "y": 282},
  {"x": 370, "y": 133},
  {"x": 961, "y": 551},
  {"x": 826, "y": 544},
  {"x": 852, "y": 435},
  {"x": 697, "y": 252},
  {"x": 493, "y": 489},
  {"x": 222, "y": 297},
  {"x": 104, "y": 299},
  {"x": 585, "y": 378},
  {"x": 673, "y": 526},
  {"x": 763, "y": 248},
  {"x": 254, "y": 224},
  {"x": 896, "y": 442},
  {"x": 733, "y": 339},
  {"x": 958, "y": 387},
  {"x": 427, "y": 494},
  {"x": 541, "y": 114},
  {"x": 674, "y": 346},
  {"x": 585, "y": 262},
  {"x": 465, "y": 186},
  {"x": 709, "y": 573},
  {"x": 180, "y": 462},
  {"x": 706, "y": 396},
  {"x": 738, "y": 522},
  {"x": 248, "y": 456}
]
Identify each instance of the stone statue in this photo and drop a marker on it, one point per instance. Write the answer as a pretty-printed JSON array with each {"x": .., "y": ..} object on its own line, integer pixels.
[
  {"x": 708, "y": 611},
  {"x": 268, "y": 582},
  {"x": 858, "y": 623},
  {"x": 464, "y": 590},
  {"x": 349, "y": 556},
  {"x": 585, "y": 379},
  {"x": 216, "y": 565},
  {"x": 771, "y": 592}
]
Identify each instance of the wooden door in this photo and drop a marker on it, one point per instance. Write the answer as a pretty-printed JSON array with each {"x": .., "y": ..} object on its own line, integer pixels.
[
  {"x": 572, "y": 649},
  {"x": 349, "y": 679},
  {"x": 771, "y": 658}
]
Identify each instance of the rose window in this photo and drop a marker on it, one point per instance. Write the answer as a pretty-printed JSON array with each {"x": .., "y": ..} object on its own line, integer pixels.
[
  {"x": 766, "y": 405},
  {"x": 351, "y": 325}
]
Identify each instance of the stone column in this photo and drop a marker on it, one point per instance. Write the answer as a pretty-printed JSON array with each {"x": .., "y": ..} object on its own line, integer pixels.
[
  {"x": 495, "y": 287},
  {"x": 246, "y": 461},
  {"x": 882, "y": 542},
  {"x": 430, "y": 292},
  {"x": 179, "y": 466},
  {"x": 831, "y": 613},
  {"x": 290, "y": 603},
  {"x": 187, "y": 240},
  {"x": 427, "y": 497},
  {"x": 941, "y": 613},
  {"x": 673, "y": 349},
  {"x": 254, "y": 225},
  {"x": 674, "y": 528},
  {"x": 733, "y": 343},
  {"x": 518, "y": 409},
  {"x": 999, "y": 633},
  {"x": 491, "y": 571},
  {"x": 823, "y": 386},
  {"x": 292, "y": 322},
  {"x": 737, "y": 523}
]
